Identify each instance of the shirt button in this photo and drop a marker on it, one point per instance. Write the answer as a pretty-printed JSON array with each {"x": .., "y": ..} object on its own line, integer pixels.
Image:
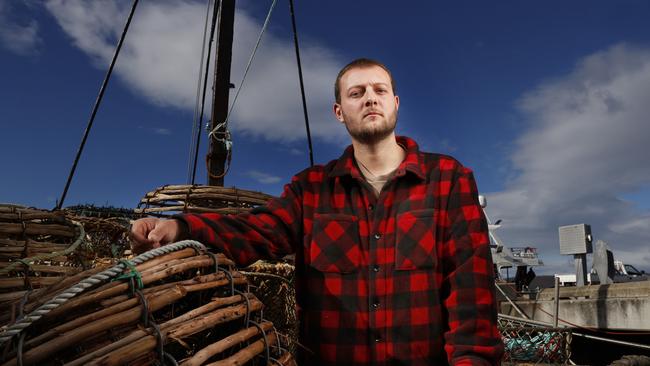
[
  {"x": 377, "y": 339},
  {"x": 371, "y": 207},
  {"x": 375, "y": 306},
  {"x": 375, "y": 268},
  {"x": 377, "y": 236}
]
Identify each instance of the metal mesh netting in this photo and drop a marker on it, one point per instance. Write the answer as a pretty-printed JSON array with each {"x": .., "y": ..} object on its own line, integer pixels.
[{"x": 532, "y": 343}]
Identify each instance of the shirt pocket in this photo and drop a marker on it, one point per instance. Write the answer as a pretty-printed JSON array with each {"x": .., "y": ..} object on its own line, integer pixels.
[
  {"x": 416, "y": 239},
  {"x": 334, "y": 246}
]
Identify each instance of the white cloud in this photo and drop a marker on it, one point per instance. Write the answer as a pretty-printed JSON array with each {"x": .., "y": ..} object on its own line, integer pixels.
[
  {"x": 161, "y": 55},
  {"x": 587, "y": 144},
  {"x": 162, "y": 131},
  {"x": 18, "y": 37},
  {"x": 263, "y": 178}
]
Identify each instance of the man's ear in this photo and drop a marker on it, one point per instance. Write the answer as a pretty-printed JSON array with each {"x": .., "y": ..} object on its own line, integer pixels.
[
  {"x": 338, "y": 113},
  {"x": 396, "y": 103}
]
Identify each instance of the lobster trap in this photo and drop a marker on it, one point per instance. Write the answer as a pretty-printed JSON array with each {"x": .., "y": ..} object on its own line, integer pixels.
[
  {"x": 174, "y": 304},
  {"x": 37, "y": 249},
  {"x": 530, "y": 343},
  {"x": 173, "y": 199}
]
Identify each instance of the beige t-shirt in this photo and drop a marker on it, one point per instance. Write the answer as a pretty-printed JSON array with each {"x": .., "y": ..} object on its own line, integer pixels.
[{"x": 376, "y": 181}]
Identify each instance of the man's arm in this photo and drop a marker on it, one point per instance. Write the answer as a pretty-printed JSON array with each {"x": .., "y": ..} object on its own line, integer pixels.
[
  {"x": 267, "y": 232},
  {"x": 473, "y": 337}
]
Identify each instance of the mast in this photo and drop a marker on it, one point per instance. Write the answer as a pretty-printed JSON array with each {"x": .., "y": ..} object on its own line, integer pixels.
[{"x": 218, "y": 152}]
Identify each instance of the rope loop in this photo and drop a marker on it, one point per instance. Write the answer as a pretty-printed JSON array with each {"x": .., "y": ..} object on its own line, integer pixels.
[
  {"x": 19, "y": 349},
  {"x": 134, "y": 277},
  {"x": 215, "y": 261},
  {"x": 232, "y": 282},
  {"x": 248, "y": 307},
  {"x": 145, "y": 308},
  {"x": 266, "y": 341}
]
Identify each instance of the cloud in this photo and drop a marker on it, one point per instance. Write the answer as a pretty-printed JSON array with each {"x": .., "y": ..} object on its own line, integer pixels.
[
  {"x": 18, "y": 37},
  {"x": 263, "y": 177},
  {"x": 161, "y": 55},
  {"x": 162, "y": 131},
  {"x": 586, "y": 145}
]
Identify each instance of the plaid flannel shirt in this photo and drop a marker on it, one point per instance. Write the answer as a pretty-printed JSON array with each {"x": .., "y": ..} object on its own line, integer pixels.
[{"x": 403, "y": 278}]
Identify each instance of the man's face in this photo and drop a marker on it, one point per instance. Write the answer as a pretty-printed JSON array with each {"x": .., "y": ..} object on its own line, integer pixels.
[{"x": 368, "y": 107}]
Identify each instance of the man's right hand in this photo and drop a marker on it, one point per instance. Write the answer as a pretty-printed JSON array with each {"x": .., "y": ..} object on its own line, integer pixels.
[{"x": 150, "y": 232}]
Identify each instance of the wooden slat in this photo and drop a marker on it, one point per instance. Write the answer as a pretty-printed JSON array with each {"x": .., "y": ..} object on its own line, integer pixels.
[
  {"x": 38, "y": 229},
  {"x": 15, "y": 282}
]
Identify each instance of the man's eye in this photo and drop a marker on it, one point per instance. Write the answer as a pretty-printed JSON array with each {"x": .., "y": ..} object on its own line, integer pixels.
[{"x": 355, "y": 94}]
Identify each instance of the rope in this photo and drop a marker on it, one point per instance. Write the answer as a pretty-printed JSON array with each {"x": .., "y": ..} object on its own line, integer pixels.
[
  {"x": 197, "y": 125},
  {"x": 250, "y": 61},
  {"x": 96, "y": 279},
  {"x": 133, "y": 274},
  {"x": 302, "y": 86},
  {"x": 228, "y": 158},
  {"x": 145, "y": 308},
  {"x": 266, "y": 341},
  {"x": 98, "y": 101},
  {"x": 68, "y": 250}
]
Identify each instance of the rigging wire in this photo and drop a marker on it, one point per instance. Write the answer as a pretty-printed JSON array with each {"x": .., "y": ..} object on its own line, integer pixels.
[
  {"x": 213, "y": 132},
  {"x": 96, "y": 106},
  {"x": 302, "y": 86},
  {"x": 196, "y": 123},
  {"x": 215, "y": 10}
]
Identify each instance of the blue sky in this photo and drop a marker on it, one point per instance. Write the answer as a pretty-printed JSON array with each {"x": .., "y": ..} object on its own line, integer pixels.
[{"x": 546, "y": 101}]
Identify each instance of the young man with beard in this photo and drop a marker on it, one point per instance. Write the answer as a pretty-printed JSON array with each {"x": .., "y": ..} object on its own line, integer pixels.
[{"x": 392, "y": 258}]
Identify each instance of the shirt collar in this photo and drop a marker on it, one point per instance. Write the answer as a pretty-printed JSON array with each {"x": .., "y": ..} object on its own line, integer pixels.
[{"x": 412, "y": 162}]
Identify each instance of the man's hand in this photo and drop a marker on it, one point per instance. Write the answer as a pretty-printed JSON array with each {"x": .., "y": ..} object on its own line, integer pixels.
[{"x": 149, "y": 233}]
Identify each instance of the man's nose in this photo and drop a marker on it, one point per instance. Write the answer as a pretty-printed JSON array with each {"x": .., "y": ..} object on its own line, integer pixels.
[{"x": 371, "y": 100}]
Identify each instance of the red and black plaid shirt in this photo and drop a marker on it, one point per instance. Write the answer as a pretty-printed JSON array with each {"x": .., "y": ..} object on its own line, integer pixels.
[{"x": 405, "y": 278}]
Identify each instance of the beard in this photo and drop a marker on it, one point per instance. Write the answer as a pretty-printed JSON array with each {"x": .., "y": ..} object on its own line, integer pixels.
[{"x": 371, "y": 133}]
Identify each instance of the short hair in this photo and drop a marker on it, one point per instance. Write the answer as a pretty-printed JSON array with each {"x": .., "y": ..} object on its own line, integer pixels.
[{"x": 359, "y": 63}]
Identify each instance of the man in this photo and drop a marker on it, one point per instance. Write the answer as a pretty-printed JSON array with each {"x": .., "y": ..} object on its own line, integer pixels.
[{"x": 392, "y": 257}]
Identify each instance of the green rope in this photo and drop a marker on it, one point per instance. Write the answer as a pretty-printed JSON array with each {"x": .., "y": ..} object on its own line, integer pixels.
[{"x": 131, "y": 275}]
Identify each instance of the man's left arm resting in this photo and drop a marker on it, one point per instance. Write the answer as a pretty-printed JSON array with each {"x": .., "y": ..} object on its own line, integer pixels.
[{"x": 473, "y": 337}]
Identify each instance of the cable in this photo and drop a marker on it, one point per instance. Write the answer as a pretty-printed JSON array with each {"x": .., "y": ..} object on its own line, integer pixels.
[
  {"x": 98, "y": 101},
  {"x": 205, "y": 84},
  {"x": 302, "y": 87},
  {"x": 196, "y": 123},
  {"x": 241, "y": 85}
]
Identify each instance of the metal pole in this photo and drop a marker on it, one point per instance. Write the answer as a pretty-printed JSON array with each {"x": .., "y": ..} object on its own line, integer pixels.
[
  {"x": 511, "y": 302},
  {"x": 556, "y": 312},
  {"x": 218, "y": 152}
]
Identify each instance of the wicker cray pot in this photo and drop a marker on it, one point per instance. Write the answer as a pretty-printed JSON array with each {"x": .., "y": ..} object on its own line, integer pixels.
[
  {"x": 172, "y": 199},
  {"x": 273, "y": 284},
  {"x": 178, "y": 303},
  {"x": 37, "y": 248}
]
